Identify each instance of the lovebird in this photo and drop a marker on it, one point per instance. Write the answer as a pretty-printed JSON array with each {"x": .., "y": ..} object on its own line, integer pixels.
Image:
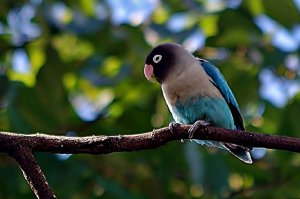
[{"x": 196, "y": 93}]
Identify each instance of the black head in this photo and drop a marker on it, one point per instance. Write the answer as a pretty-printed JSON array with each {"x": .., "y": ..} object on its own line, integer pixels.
[{"x": 162, "y": 58}]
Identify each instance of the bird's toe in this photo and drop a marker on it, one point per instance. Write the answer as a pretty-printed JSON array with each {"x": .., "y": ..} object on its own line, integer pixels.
[
  {"x": 173, "y": 127},
  {"x": 198, "y": 124}
]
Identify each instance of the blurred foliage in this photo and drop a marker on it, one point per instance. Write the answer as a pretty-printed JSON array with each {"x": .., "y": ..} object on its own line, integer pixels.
[{"x": 71, "y": 68}]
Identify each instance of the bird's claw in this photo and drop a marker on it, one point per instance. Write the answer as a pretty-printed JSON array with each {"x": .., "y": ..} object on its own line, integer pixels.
[
  {"x": 173, "y": 126},
  {"x": 198, "y": 124}
]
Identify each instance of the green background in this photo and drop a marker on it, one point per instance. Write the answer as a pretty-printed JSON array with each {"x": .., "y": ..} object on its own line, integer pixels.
[{"x": 83, "y": 61}]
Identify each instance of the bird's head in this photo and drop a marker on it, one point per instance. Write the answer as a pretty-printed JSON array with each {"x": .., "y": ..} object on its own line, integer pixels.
[{"x": 166, "y": 59}]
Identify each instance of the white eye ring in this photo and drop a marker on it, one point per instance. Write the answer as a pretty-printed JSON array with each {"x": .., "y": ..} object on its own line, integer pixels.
[{"x": 157, "y": 58}]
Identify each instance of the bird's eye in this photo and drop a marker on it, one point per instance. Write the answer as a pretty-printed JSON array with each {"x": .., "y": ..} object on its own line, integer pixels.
[{"x": 157, "y": 58}]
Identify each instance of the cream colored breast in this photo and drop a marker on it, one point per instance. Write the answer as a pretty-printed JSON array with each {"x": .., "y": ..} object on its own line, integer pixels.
[{"x": 192, "y": 81}]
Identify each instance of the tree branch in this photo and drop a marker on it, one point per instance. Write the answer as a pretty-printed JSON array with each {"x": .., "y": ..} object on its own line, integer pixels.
[
  {"x": 32, "y": 172},
  {"x": 149, "y": 140},
  {"x": 21, "y": 147}
]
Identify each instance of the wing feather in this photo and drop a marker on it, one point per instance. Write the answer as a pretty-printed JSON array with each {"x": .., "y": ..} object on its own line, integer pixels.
[{"x": 219, "y": 81}]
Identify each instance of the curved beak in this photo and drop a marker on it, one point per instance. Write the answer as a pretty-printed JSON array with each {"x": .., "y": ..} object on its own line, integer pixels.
[{"x": 148, "y": 72}]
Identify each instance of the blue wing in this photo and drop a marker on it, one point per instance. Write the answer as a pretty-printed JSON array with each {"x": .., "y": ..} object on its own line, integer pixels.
[{"x": 219, "y": 81}]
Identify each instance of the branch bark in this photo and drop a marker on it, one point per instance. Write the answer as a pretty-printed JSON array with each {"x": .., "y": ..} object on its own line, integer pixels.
[
  {"x": 32, "y": 172},
  {"x": 21, "y": 147}
]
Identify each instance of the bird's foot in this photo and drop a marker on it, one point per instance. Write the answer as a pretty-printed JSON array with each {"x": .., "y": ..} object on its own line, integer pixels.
[
  {"x": 198, "y": 124},
  {"x": 173, "y": 127}
]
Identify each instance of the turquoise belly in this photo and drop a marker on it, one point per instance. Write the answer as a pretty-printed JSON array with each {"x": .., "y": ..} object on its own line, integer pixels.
[{"x": 213, "y": 110}]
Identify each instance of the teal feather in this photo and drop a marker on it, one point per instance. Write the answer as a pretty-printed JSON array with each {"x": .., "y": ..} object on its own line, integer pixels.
[
  {"x": 212, "y": 110},
  {"x": 219, "y": 81}
]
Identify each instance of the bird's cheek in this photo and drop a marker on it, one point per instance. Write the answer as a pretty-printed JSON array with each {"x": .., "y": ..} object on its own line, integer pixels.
[{"x": 148, "y": 72}]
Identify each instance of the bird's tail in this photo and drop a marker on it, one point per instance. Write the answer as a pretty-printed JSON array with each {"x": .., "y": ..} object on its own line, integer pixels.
[{"x": 240, "y": 152}]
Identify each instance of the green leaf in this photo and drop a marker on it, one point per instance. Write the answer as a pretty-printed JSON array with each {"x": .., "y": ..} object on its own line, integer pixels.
[{"x": 285, "y": 12}]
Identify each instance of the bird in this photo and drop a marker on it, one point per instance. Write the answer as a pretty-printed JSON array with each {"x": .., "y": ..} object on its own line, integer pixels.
[{"x": 196, "y": 93}]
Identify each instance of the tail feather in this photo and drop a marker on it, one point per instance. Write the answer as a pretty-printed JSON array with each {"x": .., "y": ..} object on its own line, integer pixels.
[{"x": 240, "y": 152}]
